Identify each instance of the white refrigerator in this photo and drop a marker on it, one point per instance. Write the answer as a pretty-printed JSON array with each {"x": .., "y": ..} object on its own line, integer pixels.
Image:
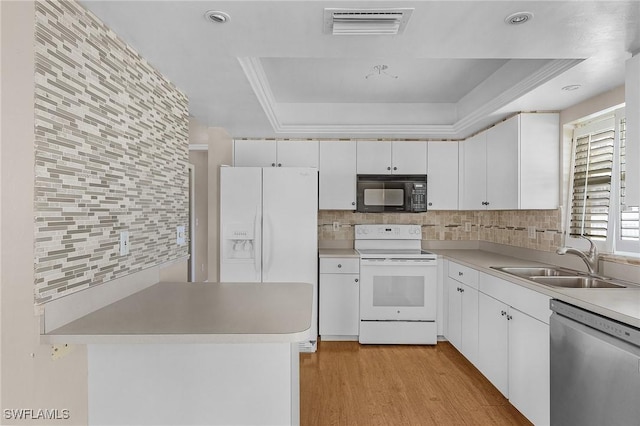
[{"x": 268, "y": 228}]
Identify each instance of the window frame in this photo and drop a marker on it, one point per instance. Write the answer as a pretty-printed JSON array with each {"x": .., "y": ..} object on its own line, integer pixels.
[{"x": 613, "y": 242}]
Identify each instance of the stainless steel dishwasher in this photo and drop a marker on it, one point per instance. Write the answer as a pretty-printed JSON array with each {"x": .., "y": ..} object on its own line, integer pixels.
[{"x": 595, "y": 369}]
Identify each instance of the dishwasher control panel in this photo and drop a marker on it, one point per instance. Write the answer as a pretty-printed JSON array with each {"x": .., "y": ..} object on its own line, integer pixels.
[{"x": 606, "y": 325}]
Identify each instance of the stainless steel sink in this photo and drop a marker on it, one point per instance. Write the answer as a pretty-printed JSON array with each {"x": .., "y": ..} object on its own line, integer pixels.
[
  {"x": 577, "y": 282},
  {"x": 562, "y": 277},
  {"x": 535, "y": 271}
]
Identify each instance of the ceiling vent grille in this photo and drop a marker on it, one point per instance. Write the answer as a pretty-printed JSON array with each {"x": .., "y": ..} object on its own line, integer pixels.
[{"x": 366, "y": 21}]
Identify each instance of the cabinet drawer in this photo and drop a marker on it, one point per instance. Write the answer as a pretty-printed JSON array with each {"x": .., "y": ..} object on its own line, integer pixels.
[
  {"x": 523, "y": 299},
  {"x": 464, "y": 274},
  {"x": 339, "y": 265}
]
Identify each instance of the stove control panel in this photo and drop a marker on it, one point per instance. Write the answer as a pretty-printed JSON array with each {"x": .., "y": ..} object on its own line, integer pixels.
[{"x": 388, "y": 232}]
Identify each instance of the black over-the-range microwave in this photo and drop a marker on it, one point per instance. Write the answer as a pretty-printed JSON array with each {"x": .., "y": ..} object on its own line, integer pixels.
[{"x": 391, "y": 193}]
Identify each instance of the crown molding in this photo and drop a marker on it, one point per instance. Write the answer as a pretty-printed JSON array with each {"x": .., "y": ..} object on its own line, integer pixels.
[{"x": 259, "y": 82}]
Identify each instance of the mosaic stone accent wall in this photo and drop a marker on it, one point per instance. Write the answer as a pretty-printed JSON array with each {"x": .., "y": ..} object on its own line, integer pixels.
[
  {"x": 111, "y": 155},
  {"x": 510, "y": 227}
]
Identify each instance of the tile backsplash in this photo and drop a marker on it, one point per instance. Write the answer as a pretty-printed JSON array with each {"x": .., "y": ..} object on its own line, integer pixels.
[
  {"x": 509, "y": 227},
  {"x": 111, "y": 154}
]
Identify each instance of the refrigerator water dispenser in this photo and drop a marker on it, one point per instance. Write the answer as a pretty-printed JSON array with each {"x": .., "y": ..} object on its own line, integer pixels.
[{"x": 239, "y": 242}]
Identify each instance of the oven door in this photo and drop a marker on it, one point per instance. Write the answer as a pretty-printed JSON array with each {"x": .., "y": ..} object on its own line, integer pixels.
[{"x": 398, "y": 289}]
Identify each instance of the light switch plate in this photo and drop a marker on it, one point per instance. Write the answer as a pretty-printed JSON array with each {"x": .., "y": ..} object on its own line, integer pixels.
[{"x": 532, "y": 232}]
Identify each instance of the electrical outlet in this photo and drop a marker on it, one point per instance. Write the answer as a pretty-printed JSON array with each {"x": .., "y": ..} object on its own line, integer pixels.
[
  {"x": 124, "y": 243},
  {"x": 467, "y": 227},
  {"x": 181, "y": 235},
  {"x": 336, "y": 226},
  {"x": 532, "y": 232}
]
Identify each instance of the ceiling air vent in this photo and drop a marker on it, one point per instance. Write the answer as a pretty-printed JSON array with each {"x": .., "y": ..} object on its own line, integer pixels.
[{"x": 366, "y": 21}]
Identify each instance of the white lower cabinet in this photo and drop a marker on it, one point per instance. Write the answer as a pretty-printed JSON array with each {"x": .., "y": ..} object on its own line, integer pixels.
[
  {"x": 462, "y": 312},
  {"x": 493, "y": 343},
  {"x": 513, "y": 345},
  {"x": 339, "y": 310}
]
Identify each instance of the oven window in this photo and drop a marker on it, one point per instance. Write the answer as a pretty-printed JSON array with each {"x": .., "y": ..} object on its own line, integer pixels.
[
  {"x": 383, "y": 197},
  {"x": 398, "y": 291}
]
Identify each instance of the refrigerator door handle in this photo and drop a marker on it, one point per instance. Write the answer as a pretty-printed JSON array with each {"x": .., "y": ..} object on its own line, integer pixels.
[
  {"x": 266, "y": 228},
  {"x": 257, "y": 244}
]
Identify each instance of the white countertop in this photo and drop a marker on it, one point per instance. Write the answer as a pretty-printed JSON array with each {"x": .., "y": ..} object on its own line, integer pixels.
[
  {"x": 338, "y": 253},
  {"x": 620, "y": 304},
  {"x": 198, "y": 313}
]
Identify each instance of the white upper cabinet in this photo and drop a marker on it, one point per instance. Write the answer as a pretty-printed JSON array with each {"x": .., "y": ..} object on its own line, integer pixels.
[
  {"x": 539, "y": 161},
  {"x": 503, "y": 165},
  {"x": 337, "y": 178},
  {"x": 398, "y": 157},
  {"x": 442, "y": 175},
  {"x": 297, "y": 154},
  {"x": 409, "y": 158},
  {"x": 513, "y": 165},
  {"x": 269, "y": 153},
  {"x": 250, "y": 153},
  {"x": 473, "y": 172}
]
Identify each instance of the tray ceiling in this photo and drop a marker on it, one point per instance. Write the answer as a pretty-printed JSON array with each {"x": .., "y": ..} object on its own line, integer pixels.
[{"x": 272, "y": 70}]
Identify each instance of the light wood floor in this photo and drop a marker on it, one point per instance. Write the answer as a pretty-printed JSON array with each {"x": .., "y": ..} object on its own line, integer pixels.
[{"x": 345, "y": 383}]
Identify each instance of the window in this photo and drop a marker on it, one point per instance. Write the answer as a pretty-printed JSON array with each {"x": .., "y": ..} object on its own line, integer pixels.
[
  {"x": 628, "y": 233},
  {"x": 596, "y": 205}
]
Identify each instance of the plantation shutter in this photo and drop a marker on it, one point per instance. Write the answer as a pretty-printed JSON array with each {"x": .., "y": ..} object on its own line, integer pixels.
[
  {"x": 629, "y": 229},
  {"x": 592, "y": 171}
]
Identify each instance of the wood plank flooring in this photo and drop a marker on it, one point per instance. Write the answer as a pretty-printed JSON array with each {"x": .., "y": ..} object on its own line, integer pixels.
[{"x": 345, "y": 383}]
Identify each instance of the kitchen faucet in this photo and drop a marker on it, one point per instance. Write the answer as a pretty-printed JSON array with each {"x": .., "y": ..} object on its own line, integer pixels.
[{"x": 590, "y": 258}]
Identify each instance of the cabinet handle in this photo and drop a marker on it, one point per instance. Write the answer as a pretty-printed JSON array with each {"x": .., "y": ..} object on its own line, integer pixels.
[
  {"x": 395, "y": 168},
  {"x": 339, "y": 265},
  {"x": 462, "y": 290},
  {"x": 460, "y": 274},
  {"x": 509, "y": 317},
  {"x": 430, "y": 204},
  {"x": 279, "y": 164},
  {"x": 356, "y": 280},
  {"x": 388, "y": 168},
  {"x": 503, "y": 313},
  {"x": 273, "y": 164},
  {"x": 353, "y": 203}
]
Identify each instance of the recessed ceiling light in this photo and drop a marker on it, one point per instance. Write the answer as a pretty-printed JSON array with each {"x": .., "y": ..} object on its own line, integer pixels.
[
  {"x": 216, "y": 16},
  {"x": 518, "y": 18},
  {"x": 571, "y": 87}
]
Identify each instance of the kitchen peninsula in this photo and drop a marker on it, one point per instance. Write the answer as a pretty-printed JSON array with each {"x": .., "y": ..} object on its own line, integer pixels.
[{"x": 195, "y": 353}]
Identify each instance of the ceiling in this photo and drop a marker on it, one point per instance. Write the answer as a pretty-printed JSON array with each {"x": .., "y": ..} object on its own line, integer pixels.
[{"x": 272, "y": 70}]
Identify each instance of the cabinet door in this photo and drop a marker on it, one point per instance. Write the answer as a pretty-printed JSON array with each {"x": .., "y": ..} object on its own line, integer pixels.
[
  {"x": 297, "y": 154},
  {"x": 539, "y": 161},
  {"x": 339, "y": 305},
  {"x": 469, "y": 323},
  {"x": 373, "y": 157},
  {"x": 442, "y": 175},
  {"x": 337, "y": 175},
  {"x": 254, "y": 153},
  {"x": 493, "y": 348},
  {"x": 503, "y": 165},
  {"x": 454, "y": 312},
  {"x": 409, "y": 158},
  {"x": 529, "y": 367},
  {"x": 473, "y": 172}
]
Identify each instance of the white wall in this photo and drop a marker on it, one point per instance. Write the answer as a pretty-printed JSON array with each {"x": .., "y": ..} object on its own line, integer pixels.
[
  {"x": 220, "y": 152},
  {"x": 30, "y": 378}
]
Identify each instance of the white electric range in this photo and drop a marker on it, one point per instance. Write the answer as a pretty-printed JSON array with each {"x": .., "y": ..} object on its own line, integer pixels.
[{"x": 398, "y": 287}]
